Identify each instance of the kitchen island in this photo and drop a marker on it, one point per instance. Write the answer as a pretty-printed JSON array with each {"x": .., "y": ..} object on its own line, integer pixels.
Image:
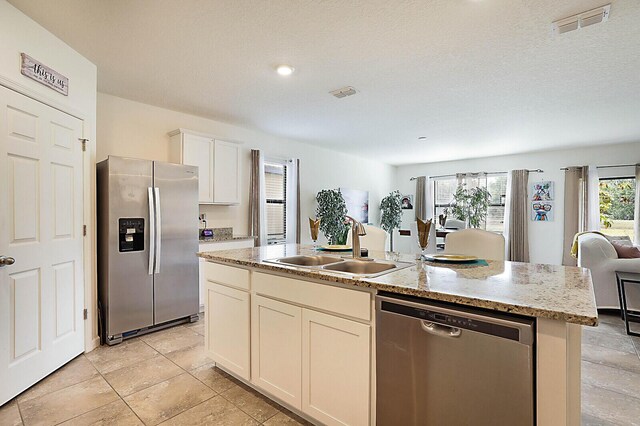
[{"x": 305, "y": 336}]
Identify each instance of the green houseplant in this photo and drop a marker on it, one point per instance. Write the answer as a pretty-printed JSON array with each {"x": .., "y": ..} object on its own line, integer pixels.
[
  {"x": 391, "y": 213},
  {"x": 332, "y": 212},
  {"x": 470, "y": 205}
]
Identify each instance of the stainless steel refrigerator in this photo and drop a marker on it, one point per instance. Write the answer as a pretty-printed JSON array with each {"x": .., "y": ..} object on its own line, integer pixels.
[{"x": 147, "y": 244}]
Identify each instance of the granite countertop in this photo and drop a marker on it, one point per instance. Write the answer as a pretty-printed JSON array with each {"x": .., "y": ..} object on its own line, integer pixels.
[
  {"x": 223, "y": 238},
  {"x": 545, "y": 291}
]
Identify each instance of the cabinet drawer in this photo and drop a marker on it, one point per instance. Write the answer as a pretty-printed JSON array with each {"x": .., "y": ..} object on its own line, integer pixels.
[
  {"x": 352, "y": 303},
  {"x": 227, "y": 275}
]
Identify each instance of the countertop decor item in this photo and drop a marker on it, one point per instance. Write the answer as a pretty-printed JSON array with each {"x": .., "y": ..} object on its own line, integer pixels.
[
  {"x": 451, "y": 258},
  {"x": 332, "y": 211},
  {"x": 423, "y": 234},
  {"x": 336, "y": 247},
  {"x": 391, "y": 213},
  {"x": 314, "y": 228}
]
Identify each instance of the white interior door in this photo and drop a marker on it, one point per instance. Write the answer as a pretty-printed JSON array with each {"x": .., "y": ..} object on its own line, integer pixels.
[{"x": 41, "y": 209}]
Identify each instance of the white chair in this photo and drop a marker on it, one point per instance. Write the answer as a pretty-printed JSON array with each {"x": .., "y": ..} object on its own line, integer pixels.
[
  {"x": 455, "y": 224},
  {"x": 475, "y": 242},
  {"x": 375, "y": 240},
  {"x": 596, "y": 253},
  {"x": 415, "y": 246}
]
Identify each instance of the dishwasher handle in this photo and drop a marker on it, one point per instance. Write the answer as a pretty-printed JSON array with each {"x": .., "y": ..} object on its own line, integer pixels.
[{"x": 440, "y": 330}]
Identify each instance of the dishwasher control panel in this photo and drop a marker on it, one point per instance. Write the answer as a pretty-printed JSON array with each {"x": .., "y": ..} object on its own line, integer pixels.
[{"x": 425, "y": 314}]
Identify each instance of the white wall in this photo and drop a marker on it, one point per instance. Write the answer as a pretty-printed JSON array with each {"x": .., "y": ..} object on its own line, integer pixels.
[
  {"x": 20, "y": 34},
  {"x": 545, "y": 238},
  {"x": 133, "y": 129}
]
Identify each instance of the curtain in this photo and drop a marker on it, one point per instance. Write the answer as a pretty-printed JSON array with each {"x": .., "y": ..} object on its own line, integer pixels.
[
  {"x": 293, "y": 201},
  {"x": 593, "y": 200},
  {"x": 575, "y": 209},
  {"x": 257, "y": 199},
  {"x": 636, "y": 214},
  {"x": 421, "y": 198},
  {"x": 517, "y": 216}
]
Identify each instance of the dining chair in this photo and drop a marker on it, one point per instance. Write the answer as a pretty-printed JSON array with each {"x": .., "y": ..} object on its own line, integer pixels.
[{"x": 475, "y": 242}]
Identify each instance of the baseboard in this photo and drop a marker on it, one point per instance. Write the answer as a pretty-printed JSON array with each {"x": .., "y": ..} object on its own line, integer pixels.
[{"x": 94, "y": 343}]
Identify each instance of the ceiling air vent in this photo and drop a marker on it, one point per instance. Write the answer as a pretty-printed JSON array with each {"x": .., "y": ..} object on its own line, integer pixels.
[
  {"x": 581, "y": 20},
  {"x": 343, "y": 92}
]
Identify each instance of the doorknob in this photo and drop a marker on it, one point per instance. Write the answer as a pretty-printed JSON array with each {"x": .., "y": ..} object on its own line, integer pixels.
[{"x": 6, "y": 261}]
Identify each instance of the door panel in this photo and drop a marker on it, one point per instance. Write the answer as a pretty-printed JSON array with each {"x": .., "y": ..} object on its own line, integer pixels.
[
  {"x": 41, "y": 210},
  {"x": 125, "y": 285},
  {"x": 226, "y": 172},
  {"x": 176, "y": 277}
]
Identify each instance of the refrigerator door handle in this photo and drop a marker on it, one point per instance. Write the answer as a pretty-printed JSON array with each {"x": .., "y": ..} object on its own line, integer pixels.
[
  {"x": 158, "y": 229},
  {"x": 152, "y": 231}
]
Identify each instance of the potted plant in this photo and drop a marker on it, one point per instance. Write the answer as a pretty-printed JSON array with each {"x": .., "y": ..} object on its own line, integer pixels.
[
  {"x": 391, "y": 213},
  {"x": 332, "y": 211},
  {"x": 470, "y": 205}
]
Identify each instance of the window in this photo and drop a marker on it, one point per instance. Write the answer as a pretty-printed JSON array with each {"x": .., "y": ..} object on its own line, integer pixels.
[
  {"x": 444, "y": 188},
  {"x": 275, "y": 176},
  {"x": 617, "y": 200}
]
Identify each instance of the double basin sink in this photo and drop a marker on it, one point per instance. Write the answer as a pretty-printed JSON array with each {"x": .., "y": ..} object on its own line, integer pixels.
[{"x": 362, "y": 268}]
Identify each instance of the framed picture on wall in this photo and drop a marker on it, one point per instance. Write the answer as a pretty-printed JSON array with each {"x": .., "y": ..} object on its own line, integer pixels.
[
  {"x": 357, "y": 204},
  {"x": 542, "y": 211},
  {"x": 542, "y": 191},
  {"x": 407, "y": 202}
]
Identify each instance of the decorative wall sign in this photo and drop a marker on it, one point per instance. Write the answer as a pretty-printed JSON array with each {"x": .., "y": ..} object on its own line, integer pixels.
[
  {"x": 44, "y": 75},
  {"x": 542, "y": 191}
]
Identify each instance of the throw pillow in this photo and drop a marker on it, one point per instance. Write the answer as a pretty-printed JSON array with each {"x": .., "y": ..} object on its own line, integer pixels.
[
  {"x": 622, "y": 239},
  {"x": 626, "y": 252}
]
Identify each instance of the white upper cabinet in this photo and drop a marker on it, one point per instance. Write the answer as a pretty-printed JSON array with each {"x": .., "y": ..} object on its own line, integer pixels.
[{"x": 218, "y": 165}]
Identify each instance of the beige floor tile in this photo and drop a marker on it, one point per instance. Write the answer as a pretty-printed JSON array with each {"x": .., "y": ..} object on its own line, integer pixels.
[
  {"x": 594, "y": 421},
  {"x": 215, "y": 411},
  {"x": 252, "y": 402},
  {"x": 611, "y": 319},
  {"x": 135, "y": 377},
  {"x": 605, "y": 327},
  {"x": 173, "y": 339},
  {"x": 10, "y": 415},
  {"x": 286, "y": 418},
  {"x": 610, "y": 406},
  {"x": 213, "y": 377},
  {"x": 75, "y": 371},
  {"x": 607, "y": 340},
  {"x": 198, "y": 327},
  {"x": 611, "y": 357},
  {"x": 191, "y": 357},
  {"x": 110, "y": 358},
  {"x": 614, "y": 379},
  {"x": 67, "y": 403},
  {"x": 164, "y": 400},
  {"x": 116, "y": 413}
]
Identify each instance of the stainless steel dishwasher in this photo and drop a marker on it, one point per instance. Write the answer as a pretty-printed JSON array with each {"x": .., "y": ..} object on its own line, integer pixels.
[{"x": 445, "y": 365}]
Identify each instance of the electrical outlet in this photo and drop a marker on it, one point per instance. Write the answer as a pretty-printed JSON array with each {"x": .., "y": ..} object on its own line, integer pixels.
[{"x": 203, "y": 216}]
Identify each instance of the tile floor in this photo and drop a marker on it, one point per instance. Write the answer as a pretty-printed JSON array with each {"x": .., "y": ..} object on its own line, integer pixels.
[{"x": 166, "y": 378}]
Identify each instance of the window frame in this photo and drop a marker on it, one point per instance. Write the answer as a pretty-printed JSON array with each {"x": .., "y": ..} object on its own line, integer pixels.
[
  {"x": 273, "y": 239},
  {"x": 610, "y": 178}
]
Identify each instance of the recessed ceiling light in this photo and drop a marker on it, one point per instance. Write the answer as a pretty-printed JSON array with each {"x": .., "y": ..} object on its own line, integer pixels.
[
  {"x": 285, "y": 70},
  {"x": 422, "y": 138}
]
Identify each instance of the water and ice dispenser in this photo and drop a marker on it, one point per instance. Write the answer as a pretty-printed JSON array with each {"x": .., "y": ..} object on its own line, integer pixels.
[{"x": 131, "y": 234}]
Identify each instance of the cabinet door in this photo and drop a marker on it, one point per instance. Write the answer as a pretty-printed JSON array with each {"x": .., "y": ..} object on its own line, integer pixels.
[
  {"x": 227, "y": 328},
  {"x": 335, "y": 369},
  {"x": 226, "y": 180},
  {"x": 276, "y": 345},
  {"x": 198, "y": 151}
]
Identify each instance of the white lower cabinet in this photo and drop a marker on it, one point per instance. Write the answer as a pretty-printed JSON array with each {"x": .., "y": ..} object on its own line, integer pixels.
[
  {"x": 228, "y": 329},
  {"x": 276, "y": 336},
  {"x": 335, "y": 369}
]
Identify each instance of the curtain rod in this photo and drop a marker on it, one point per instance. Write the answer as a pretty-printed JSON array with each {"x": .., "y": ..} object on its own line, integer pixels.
[
  {"x": 604, "y": 167},
  {"x": 477, "y": 173}
]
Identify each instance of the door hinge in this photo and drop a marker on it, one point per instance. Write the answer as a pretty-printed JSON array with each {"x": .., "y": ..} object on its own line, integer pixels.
[
  {"x": 84, "y": 143},
  {"x": 84, "y": 230},
  {"x": 85, "y": 313}
]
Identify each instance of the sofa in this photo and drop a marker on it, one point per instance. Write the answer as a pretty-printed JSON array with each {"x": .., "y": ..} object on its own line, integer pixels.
[{"x": 596, "y": 253}]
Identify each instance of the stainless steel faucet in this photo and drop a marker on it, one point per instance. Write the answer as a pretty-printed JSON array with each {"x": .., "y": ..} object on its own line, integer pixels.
[{"x": 357, "y": 230}]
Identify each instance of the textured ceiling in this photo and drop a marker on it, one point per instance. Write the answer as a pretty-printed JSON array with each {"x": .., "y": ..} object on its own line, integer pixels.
[{"x": 477, "y": 78}]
